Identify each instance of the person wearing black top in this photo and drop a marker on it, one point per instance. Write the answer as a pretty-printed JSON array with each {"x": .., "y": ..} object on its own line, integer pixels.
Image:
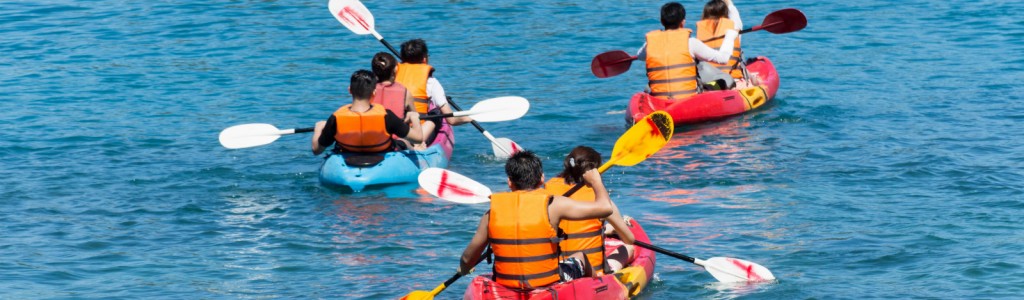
[{"x": 360, "y": 124}]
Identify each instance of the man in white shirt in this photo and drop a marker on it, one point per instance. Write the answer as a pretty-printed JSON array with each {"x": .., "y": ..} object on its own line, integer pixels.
[
  {"x": 416, "y": 74},
  {"x": 671, "y": 64}
]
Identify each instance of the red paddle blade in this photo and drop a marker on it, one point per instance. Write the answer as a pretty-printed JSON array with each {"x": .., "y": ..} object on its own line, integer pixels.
[
  {"x": 784, "y": 21},
  {"x": 611, "y": 63}
]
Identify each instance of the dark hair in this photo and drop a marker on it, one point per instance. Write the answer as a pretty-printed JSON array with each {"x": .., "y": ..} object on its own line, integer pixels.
[
  {"x": 362, "y": 85},
  {"x": 524, "y": 170},
  {"x": 383, "y": 65},
  {"x": 672, "y": 14},
  {"x": 580, "y": 160},
  {"x": 715, "y": 9},
  {"x": 414, "y": 51}
]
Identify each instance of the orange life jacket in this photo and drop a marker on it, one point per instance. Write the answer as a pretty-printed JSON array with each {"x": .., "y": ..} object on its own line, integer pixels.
[
  {"x": 414, "y": 77},
  {"x": 524, "y": 244},
  {"x": 362, "y": 132},
  {"x": 585, "y": 236},
  {"x": 707, "y": 29},
  {"x": 671, "y": 70},
  {"x": 392, "y": 97}
]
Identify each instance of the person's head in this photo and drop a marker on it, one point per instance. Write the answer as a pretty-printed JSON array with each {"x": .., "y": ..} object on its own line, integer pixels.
[
  {"x": 362, "y": 85},
  {"x": 524, "y": 171},
  {"x": 414, "y": 51},
  {"x": 672, "y": 15},
  {"x": 383, "y": 65},
  {"x": 580, "y": 160},
  {"x": 715, "y": 9}
]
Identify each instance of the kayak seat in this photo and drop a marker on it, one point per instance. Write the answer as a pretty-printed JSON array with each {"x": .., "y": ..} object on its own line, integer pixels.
[{"x": 363, "y": 161}]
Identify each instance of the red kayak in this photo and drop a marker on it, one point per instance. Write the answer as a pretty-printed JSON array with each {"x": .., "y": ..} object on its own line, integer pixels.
[
  {"x": 623, "y": 284},
  {"x": 711, "y": 105}
]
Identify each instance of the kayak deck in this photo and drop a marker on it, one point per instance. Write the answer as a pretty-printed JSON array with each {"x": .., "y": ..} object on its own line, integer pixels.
[{"x": 711, "y": 105}]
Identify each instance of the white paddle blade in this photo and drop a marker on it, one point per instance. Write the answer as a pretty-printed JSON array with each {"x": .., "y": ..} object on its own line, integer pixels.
[
  {"x": 507, "y": 144},
  {"x": 499, "y": 109},
  {"x": 727, "y": 269},
  {"x": 353, "y": 14},
  {"x": 248, "y": 135},
  {"x": 453, "y": 186}
]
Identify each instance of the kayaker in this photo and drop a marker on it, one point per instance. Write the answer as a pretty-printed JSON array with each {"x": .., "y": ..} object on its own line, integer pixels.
[
  {"x": 718, "y": 17},
  {"x": 392, "y": 95},
  {"x": 362, "y": 126},
  {"x": 521, "y": 228},
  {"x": 671, "y": 63},
  {"x": 587, "y": 236},
  {"x": 416, "y": 74}
]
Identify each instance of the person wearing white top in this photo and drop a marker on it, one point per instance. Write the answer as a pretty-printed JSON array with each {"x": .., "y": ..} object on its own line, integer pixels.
[
  {"x": 415, "y": 55},
  {"x": 672, "y": 70},
  {"x": 701, "y": 51}
]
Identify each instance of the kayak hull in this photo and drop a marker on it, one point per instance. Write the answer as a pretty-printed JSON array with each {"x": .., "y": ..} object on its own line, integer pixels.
[
  {"x": 711, "y": 105},
  {"x": 625, "y": 283},
  {"x": 398, "y": 167}
]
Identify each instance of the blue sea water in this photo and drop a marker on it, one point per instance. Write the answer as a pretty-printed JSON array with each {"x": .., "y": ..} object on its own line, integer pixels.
[{"x": 889, "y": 166}]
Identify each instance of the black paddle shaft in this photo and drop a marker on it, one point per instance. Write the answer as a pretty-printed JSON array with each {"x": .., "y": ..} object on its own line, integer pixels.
[
  {"x": 664, "y": 251},
  {"x": 457, "y": 108},
  {"x": 303, "y": 130}
]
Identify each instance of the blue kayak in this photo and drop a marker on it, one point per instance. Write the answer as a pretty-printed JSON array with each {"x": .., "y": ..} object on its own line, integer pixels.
[{"x": 357, "y": 171}]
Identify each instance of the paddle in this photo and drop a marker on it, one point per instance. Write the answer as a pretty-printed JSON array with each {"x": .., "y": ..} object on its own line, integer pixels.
[
  {"x": 724, "y": 269},
  {"x": 354, "y": 15},
  {"x": 357, "y": 18},
  {"x": 492, "y": 110},
  {"x": 616, "y": 62},
  {"x": 637, "y": 144},
  {"x": 489, "y": 110},
  {"x": 502, "y": 149},
  {"x": 252, "y": 135},
  {"x": 778, "y": 22},
  {"x": 457, "y": 188}
]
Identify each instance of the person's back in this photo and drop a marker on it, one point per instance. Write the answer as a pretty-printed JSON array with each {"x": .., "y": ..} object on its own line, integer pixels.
[
  {"x": 362, "y": 131},
  {"x": 715, "y": 22},
  {"x": 583, "y": 236},
  {"x": 520, "y": 233},
  {"x": 671, "y": 69},
  {"x": 389, "y": 93},
  {"x": 414, "y": 72},
  {"x": 587, "y": 236}
]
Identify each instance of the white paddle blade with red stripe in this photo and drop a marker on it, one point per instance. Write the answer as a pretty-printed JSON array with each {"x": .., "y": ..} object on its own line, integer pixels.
[
  {"x": 354, "y": 15},
  {"x": 507, "y": 144},
  {"x": 727, "y": 269},
  {"x": 453, "y": 186}
]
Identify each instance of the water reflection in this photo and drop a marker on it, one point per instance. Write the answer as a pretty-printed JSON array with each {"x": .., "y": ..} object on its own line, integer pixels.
[
  {"x": 714, "y": 158},
  {"x": 733, "y": 290},
  {"x": 706, "y": 146}
]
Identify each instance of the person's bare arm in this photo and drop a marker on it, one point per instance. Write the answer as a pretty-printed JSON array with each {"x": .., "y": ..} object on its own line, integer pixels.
[
  {"x": 476, "y": 246},
  {"x": 447, "y": 109},
  {"x": 317, "y": 130},
  {"x": 409, "y": 104},
  {"x": 415, "y": 134},
  {"x": 563, "y": 208},
  {"x": 620, "y": 226}
]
